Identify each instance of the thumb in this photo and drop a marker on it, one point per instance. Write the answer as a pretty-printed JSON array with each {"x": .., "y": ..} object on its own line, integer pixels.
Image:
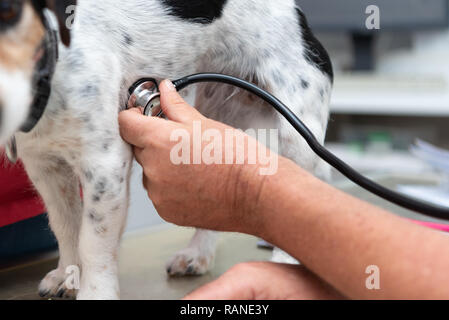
[
  {"x": 137, "y": 129},
  {"x": 224, "y": 288},
  {"x": 174, "y": 106}
]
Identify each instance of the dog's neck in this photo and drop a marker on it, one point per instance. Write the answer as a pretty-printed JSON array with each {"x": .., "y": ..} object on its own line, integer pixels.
[{"x": 45, "y": 66}]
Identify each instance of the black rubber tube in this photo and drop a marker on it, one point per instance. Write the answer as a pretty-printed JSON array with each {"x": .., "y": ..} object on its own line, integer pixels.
[{"x": 399, "y": 199}]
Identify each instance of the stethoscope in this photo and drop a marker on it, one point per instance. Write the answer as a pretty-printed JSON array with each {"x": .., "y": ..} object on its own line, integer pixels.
[{"x": 145, "y": 94}]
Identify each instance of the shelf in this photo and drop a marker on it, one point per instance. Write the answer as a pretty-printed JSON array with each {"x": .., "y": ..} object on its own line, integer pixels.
[{"x": 390, "y": 95}]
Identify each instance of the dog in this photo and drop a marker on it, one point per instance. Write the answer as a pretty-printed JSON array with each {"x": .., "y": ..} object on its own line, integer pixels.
[{"x": 110, "y": 45}]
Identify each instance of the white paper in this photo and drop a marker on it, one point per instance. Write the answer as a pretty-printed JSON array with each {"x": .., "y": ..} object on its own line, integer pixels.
[
  {"x": 433, "y": 194},
  {"x": 436, "y": 157}
]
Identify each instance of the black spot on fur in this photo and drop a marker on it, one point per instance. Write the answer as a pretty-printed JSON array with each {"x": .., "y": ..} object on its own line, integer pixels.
[
  {"x": 89, "y": 90},
  {"x": 108, "y": 140},
  {"x": 100, "y": 189},
  {"x": 100, "y": 186},
  {"x": 315, "y": 51},
  {"x": 120, "y": 179},
  {"x": 305, "y": 84},
  {"x": 198, "y": 11},
  {"x": 75, "y": 59},
  {"x": 88, "y": 175},
  {"x": 94, "y": 216},
  {"x": 169, "y": 65},
  {"x": 277, "y": 77},
  {"x": 128, "y": 39},
  {"x": 322, "y": 92}
]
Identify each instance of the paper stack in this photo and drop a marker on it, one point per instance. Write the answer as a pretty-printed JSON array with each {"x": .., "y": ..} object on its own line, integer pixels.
[{"x": 439, "y": 159}]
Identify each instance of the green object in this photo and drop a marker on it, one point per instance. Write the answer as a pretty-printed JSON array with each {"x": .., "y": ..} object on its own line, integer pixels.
[
  {"x": 379, "y": 136},
  {"x": 356, "y": 147}
]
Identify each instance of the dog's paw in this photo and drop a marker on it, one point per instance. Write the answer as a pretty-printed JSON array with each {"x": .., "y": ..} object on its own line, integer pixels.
[
  {"x": 190, "y": 262},
  {"x": 54, "y": 286}
]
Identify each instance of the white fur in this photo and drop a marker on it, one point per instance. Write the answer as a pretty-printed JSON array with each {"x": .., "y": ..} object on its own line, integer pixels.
[
  {"x": 16, "y": 86},
  {"x": 78, "y": 137}
]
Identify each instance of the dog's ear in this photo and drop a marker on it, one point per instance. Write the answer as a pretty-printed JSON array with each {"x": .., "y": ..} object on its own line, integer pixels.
[{"x": 64, "y": 11}]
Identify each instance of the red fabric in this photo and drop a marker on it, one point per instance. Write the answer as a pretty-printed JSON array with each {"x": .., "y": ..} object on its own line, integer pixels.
[{"x": 18, "y": 200}]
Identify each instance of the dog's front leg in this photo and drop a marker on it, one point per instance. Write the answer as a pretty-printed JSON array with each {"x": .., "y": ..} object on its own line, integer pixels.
[
  {"x": 105, "y": 179},
  {"x": 59, "y": 187}
]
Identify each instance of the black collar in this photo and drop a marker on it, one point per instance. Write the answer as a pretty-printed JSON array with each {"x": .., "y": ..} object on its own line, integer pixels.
[{"x": 43, "y": 72}]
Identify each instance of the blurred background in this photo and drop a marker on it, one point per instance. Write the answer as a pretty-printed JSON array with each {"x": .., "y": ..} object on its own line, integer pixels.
[{"x": 391, "y": 84}]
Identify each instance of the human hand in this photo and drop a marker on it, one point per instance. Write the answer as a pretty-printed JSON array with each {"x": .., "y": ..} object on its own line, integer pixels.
[
  {"x": 216, "y": 196},
  {"x": 266, "y": 281}
]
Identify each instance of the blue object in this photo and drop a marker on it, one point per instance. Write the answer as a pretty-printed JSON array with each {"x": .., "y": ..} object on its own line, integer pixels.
[{"x": 26, "y": 237}]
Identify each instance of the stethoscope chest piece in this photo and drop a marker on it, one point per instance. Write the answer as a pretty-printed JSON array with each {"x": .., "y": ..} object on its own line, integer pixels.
[{"x": 145, "y": 94}]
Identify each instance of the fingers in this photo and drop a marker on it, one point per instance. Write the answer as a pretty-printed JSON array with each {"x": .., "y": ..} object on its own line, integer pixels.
[
  {"x": 254, "y": 281},
  {"x": 174, "y": 106},
  {"x": 135, "y": 128},
  {"x": 227, "y": 287},
  {"x": 242, "y": 282}
]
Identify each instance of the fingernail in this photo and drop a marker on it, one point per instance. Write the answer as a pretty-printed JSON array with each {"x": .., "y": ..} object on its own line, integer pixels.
[{"x": 169, "y": 86}]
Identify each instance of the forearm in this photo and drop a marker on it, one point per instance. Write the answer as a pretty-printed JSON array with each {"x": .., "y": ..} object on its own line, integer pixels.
[{"x": 338, "y": 237}]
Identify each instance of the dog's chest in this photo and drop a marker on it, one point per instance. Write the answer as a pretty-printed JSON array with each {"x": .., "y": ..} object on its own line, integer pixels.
[{"x": 57, "y": 135}]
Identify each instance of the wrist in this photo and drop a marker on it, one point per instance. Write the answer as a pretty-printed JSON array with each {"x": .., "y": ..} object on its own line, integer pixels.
[
  {"x": 273, "y": 198},
  {"x": 243, "y": 199},
  {"x": 284, "y": 197}
]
